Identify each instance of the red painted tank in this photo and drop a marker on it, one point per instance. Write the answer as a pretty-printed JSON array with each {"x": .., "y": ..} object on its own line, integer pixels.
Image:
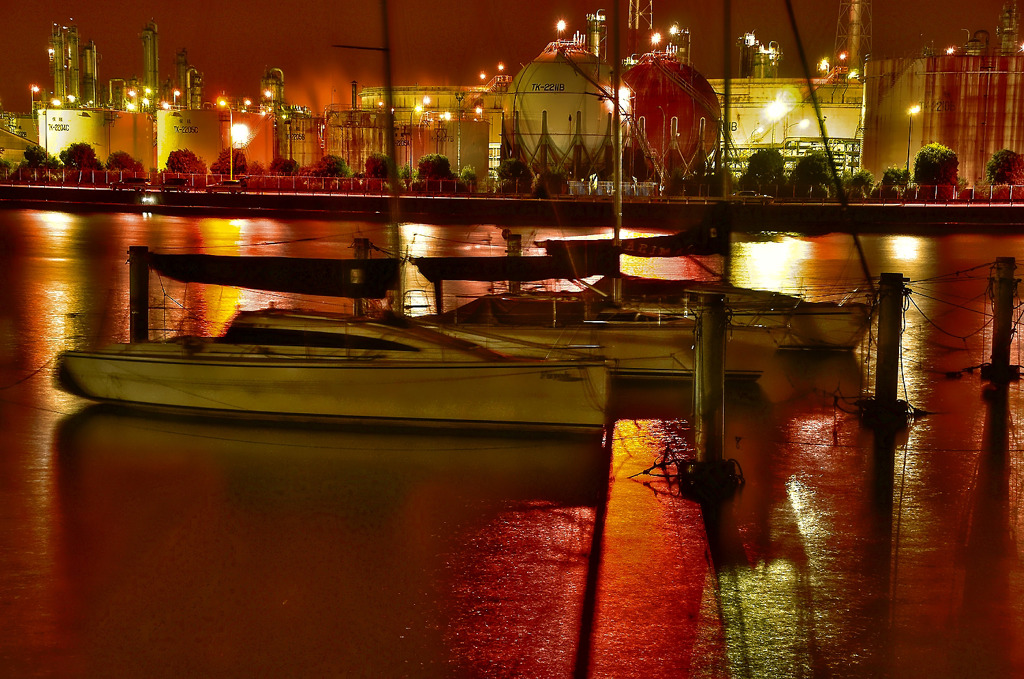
[{"x": 675, "y": 112}]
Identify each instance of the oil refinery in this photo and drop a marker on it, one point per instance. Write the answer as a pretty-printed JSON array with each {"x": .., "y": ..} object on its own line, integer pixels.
[{"x": 556, "y": 112}]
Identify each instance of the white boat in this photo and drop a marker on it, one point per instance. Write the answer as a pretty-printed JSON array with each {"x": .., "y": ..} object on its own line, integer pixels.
[
  {"x": 634, "y": 344},
  {"x": 276, "y": 363}
]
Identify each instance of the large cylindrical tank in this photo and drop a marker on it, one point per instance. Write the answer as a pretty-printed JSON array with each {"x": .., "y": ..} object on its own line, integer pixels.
[
  {"x": 299, "y": 138},
  {"x": 675, "y": 115},
  {"x": 558, "y": 112}
]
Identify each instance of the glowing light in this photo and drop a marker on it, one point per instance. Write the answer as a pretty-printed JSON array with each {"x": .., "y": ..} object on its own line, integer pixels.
[
  {"x": 804, "y": 124},
  {"x": 483, "y": 76},
  {"x": 656, "y": 38},
  {"x": 268, "y": 94},
  {"x": 447, "y": 115},
  {"x": 776, "y": 109},
  {"x": 34, "y": 88},
  {"x": 501, "y": 65},
  {"x": 906, "y": 248},
  {"x": 823, "y": 65},
  {"x": 222, "y": 103},
  {"x": 913, "y": 110},
  {"x": 247, "y": 102},
  {"x": 164, "y": 105},
  {"x": 624, "y": 98},
  {"x": 239, "y": 133},
  {"x": 55, "y": 102},
  {"x": 674, "y": 30},
  {"x": 145, "y": 101},
  {"x": 130, "y": 106},
  {"x": 380, "y": 104},
  {"x": 177, "y": 93},
  {"x": 842, "y": 56},
  {"x": 71, "y": 98},
  {"x": 419, "y": 108},
  {"x": 950, "y": 50},
  {"x": 426, "y": 101},
  {"x": 479, "y": 110},
  {"x": 560, "y": 26},
  {"x": 148, "y": 91},
  {"x": 132, "y": 93}
]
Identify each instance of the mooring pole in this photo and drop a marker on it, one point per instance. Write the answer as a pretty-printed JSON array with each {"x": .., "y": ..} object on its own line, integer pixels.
[
  {"x": 514, "y": 248},
  {"x": 709, "y": 379},
  {"x": 890, "y": 325},
  {"x": 1003, "y": 288},
  {"x": 362, "y": 251},
  {"x": 138, "y": 293}
]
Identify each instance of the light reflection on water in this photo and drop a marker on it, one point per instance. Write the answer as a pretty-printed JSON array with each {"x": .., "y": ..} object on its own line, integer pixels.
[{"x": 162, "y": 548}]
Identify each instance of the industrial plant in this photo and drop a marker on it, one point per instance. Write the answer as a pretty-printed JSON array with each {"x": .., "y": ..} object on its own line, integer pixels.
[{"x": 557, "y": 113}]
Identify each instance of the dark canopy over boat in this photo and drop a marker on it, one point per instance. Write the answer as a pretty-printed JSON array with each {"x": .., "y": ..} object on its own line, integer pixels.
[{"x": 355, "y": 278}]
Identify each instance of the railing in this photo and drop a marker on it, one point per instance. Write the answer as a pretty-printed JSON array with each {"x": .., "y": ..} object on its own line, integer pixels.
[{"x": 573, "y": 190}]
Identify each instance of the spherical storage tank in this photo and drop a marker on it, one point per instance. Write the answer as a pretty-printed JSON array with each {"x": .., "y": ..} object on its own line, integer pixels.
[
  {"x": 675, "y": 110},
  {"x": 558, "y": 112}
]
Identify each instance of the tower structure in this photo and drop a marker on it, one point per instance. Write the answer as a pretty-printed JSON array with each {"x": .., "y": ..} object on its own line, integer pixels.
[
  {"x": 150, "y": 61},
  {"x": 853, "y": 36},
  {"x": 1007, "y": 29},
  {"x": 641, "y": 18}
]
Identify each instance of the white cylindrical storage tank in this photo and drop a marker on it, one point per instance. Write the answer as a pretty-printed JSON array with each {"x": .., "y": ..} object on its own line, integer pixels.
[
  {"x": 299, "y": 138},
  {"x": 198, "y": 131},
  {"x": 559, "y": 110},
  {"x": 59, "y": 128}
]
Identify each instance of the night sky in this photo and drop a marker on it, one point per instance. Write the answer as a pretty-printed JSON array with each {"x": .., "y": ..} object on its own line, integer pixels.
[{"x": 444, "y": 42}]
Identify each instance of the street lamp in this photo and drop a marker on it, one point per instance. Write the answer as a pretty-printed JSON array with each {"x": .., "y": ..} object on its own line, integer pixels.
[
  {"x": 560, "y": 27},
  {"x": 32, "y": 94},
  {"x": 911, "y": 112}
]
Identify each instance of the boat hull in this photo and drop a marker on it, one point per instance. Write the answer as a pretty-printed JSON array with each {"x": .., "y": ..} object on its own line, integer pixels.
[
  {"x": 218, "y": 379},
  {"x": 632, "y": 349}
]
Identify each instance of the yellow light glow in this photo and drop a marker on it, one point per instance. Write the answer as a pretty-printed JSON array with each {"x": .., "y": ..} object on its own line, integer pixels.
[
  {"x": 776, "y": 109},
  {"x": 268, "y": 94},
  {"x": 479, "y": 110},
  {"x": 130, "y": 106},
  {"x": 483, "y": 76},
  {"x": 823, "y": 65},
  {"x": 177, "y": 93},
  {"x": 914, "y": 110},
  {"x": 248, "y": 102},
  {"x": 804, "y": 124},
  {"x": 674, "y": 30},
  {"x": 148, "y": 91},
  {"x": 625, "y": 96},
  {"x": 447, "y": 115},
  {"x": 222, "y": 103},
  {"x": 71, "y": 98},
  {"x": 419, "y": 108},
  {"x": 501, "y": 65},
  {"x": 426, "y": 101},
  {"x": 842, "y": 56},
  {"x": 950, "y": 50},
  {"x": 655, "y": 38},
  {"x": 164, "y": 105},
  {"x": 55, "y": 102},
  {"x": 906, "y": 248},
  {"x": 560, "y": 26},
  {"x": 131, "y": 93},
  {"x": 145, "y": 101},
  {"x": 239, "y": 133},
  {"x": 34, "y": 88}
]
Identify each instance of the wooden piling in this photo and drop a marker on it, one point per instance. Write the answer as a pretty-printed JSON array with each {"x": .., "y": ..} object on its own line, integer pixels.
[
  {"x": 709, "y": 379},
  {"x": 138, "y": 293},
  {"x": 514, "y": 248},
  {"x": 362, "y": 251},
  {"x": 1003, "y": 286},
  {"x": 890, "y": 326}
]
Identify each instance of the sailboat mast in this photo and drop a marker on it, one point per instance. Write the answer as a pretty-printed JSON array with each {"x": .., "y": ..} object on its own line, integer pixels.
[{"x": 616, "y": 62}]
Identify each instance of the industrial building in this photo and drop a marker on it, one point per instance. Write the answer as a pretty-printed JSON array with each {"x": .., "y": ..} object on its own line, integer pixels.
[{"x": 556, "y": 113}]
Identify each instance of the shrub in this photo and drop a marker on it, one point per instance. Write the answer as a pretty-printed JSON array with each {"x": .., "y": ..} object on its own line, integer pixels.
[
  {"x": 936, "y": 164},
  {"x": 80, "y": 156},
  {"x": 122, "y": 161},
  {"x": 434, "y": 166},
  {"x": 238, "y": 166},
  {"x": 467, "y": 175},
  {"x": 812, "y": 172},
  {"x": 765, "y": 166},
  {"x": 285, "y": 166},
  {"x": 185, "y": 161},
  {"x": 377, "y": 166},
  {"x": 328, "y": 166},
  {"x": 1005, "y": 167},
  {"x": 895, "y": 176}
]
